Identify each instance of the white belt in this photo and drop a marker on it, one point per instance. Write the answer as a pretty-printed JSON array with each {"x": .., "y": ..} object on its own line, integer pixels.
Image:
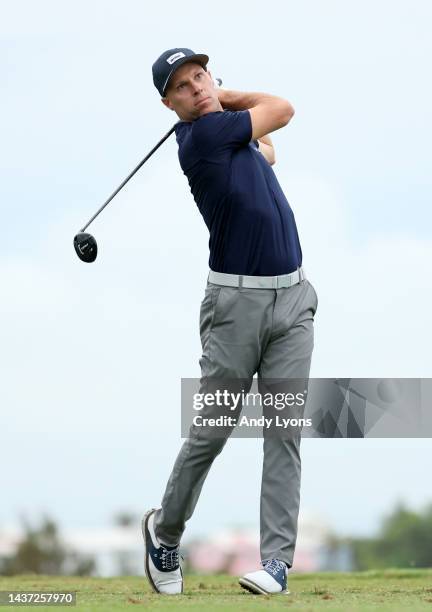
[{"x": 257, "y": 282}]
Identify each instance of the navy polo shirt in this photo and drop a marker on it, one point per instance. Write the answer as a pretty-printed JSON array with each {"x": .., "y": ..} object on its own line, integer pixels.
[{"x": 251, "y": 224}]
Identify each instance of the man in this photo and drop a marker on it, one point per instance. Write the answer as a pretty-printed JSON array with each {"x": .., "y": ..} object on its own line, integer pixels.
[{"x": 258, "y": 311}]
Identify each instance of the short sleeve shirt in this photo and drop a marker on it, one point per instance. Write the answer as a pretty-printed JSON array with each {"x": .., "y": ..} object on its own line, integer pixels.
[{"x": 251, "y": 224}]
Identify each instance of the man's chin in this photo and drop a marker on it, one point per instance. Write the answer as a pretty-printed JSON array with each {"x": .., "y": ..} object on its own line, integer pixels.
[
  {"x": 200, "y": 112},
  {"x": 206, "y": 107},
  {"x": 205, "y": 111}
]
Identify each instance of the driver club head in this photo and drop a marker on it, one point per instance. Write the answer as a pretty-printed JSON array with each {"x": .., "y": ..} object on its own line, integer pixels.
[{"x": 85, "y": 247}]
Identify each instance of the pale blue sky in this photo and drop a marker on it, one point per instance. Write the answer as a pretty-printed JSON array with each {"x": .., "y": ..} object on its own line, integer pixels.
[{"x": 84, "y": 349}]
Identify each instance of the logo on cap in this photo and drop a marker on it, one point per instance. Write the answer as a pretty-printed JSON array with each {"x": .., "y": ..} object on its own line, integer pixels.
[{"x": 173, "y": 58}]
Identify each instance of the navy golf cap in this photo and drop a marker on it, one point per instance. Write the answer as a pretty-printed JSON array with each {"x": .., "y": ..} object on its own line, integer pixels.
[{"x": 167, "y": 63}]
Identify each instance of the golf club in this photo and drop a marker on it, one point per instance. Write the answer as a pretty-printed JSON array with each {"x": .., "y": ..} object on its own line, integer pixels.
[{"x": 84, "y": 243}]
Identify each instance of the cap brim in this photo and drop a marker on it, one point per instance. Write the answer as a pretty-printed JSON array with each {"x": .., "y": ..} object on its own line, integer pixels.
[{"x": 199, "y": 58}]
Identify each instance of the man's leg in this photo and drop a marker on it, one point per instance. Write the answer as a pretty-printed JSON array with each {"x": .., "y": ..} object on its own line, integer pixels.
[
  {"x": 230, "y": 324},
  {"x": 287, "y": 355}
]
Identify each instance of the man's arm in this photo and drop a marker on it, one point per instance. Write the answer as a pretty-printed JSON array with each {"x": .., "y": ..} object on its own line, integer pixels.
[
  {"x": 268, "y": 113},
  {"x": 267, "y": 149}
]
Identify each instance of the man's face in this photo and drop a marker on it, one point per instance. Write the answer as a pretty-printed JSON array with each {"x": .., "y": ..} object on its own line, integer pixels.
[{"x": 191, "y": 92}]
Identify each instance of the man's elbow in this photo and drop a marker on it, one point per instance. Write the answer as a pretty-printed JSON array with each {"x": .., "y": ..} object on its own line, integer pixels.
[{"x": 287, "y": 112}]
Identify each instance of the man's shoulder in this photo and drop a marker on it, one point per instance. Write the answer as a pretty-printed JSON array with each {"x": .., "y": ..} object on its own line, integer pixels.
[
  {"x": 212, "y": 134},
  {"x": 210, "y": 119},
  {"x": 224, "y": 116},
  {"x": 221, "y": 127}
]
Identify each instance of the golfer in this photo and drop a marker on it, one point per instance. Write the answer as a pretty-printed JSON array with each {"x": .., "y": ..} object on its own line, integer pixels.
[{"x": 258, "y": 310}]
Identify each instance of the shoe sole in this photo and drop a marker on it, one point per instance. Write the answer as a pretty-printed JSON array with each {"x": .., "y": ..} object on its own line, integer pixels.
[
  {"x": 257, "y": 590},
  {"x": 144, "y": 529}
]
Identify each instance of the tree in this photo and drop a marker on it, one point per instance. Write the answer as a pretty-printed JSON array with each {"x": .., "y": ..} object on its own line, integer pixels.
[
  {"x": 41, "y": 551},
  {"x": 405, "y": 540}
]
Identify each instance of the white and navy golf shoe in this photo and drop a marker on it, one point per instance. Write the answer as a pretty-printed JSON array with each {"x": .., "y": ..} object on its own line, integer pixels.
[
  {"x": 272, "y": 579},
  {"x": 161, "y": 563}
]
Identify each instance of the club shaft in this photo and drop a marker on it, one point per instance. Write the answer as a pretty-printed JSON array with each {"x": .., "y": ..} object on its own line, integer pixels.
[{"x": 134, "y": 171}]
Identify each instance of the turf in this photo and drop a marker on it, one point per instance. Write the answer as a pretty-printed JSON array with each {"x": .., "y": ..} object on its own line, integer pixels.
[{"x": 381, "y": 590}]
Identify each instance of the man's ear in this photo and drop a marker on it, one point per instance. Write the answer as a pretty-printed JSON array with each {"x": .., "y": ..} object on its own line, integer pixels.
[
  {"x": 210, "y": 76},
  {"x": 167, "y": 103}
]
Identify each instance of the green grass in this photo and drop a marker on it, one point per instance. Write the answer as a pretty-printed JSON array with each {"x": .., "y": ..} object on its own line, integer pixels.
[{"x": 378, "y": 590}]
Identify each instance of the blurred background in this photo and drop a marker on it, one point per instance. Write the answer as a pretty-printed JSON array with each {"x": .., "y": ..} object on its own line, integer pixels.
[{"x": 91, "y": 357}]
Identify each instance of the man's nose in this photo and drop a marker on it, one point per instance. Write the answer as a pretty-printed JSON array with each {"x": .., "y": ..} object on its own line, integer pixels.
[{"x": 197, "y": 87}]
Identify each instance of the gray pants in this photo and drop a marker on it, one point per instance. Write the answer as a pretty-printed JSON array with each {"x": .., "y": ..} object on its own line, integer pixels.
[{"x": 243, "y": 332}]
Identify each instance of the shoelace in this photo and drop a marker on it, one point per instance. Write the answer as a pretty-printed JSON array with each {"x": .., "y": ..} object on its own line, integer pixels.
[
  {"x": 273, "y": 566},
  {"x": 170, "y": 559}
]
